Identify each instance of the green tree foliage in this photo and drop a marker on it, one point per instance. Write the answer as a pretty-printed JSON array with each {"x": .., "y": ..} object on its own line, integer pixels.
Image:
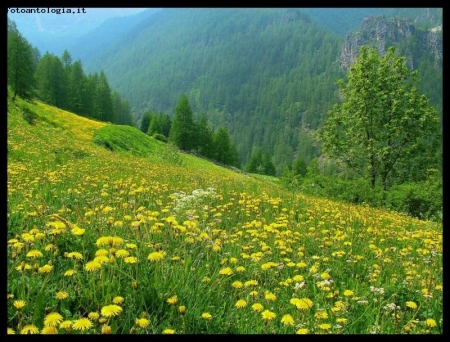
[
  {"x": 145, "y": 121},
  {"x": 223, "y": 147},
  {"x": 21, "y": 59},
  {"x": 384, "y": 126},
  {"x": 261, "y": 162},
  {"x": 77, "y": 89},
  {"x": 52, "y": 82},
  {"x": 254, "y": 165},
  {"x": 103, "y": 105},
  {"x": 205, "y": 145},
  {"x": 155, "y": 126},
  {"x": 182, "y": 131}
]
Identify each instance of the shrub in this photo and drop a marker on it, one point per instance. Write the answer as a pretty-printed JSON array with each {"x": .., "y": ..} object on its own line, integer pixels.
[{"x": 160, "y": 137}]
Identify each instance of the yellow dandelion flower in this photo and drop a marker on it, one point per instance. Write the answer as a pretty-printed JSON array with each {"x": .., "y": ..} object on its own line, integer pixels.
[
  {"x": 411, "y": 305},
  {"x": 122, "y": 253},
  {"x": 29, "y": 329},
  {"x": 69, "y": 273},
  {"x": 155, "y": 256},
  {"x": 67, "y": 325},
  {"x": 302, "y": 304},
  {"x": 257, "y": 307},
  {"x": 111, "y": 310},
  {"x": 302, "y": 331},
  {"x": 241, "y": 304},
  {"x": 142, "y": 322},
  {"x": 226, "y": 271},
  {"x": 62, "y": 295},
  {"x": 19, "y": 304},
  {"x": 45, "y": 269},
  {"x": 173, "y": 300},
  {"x": 78, "y": 231},
  {"x": 341, "y": 320},
  {"x": 237, "y": 284},
  {"x": 325, "y": 276},
  {"x": 438, "y": 287},
  {"x": 130, "y": 260},
  {"x": 271, "y": 297},
  {"x": 118, "y": 300},
  {"x": 82, "y": 324},
  {"x": 102, "y": 259},
  {"x": 106, "y": 329},
  {"x": 348, "y": 293},
  {"x": 131, "y": 245},
  {"x": 268, "y": 315},
  {"x": 254, "y": 293},
  {"x": 321, "y": 314},
  {"x": 101, "y": 252},
  {"x": 102, "y": 320},
  {"x": 92, "y": 266},
  {"x": 430, "y": 322},
  {"x": 93, "y": 315},
  {"x": 182, "y": 309},
  {"x": 298, "y": 278},
  {"x": 168, "y": 332},
  {"x": 39, "y": 236},
  {"x": 75, "y": 255},
  {"x": 325, "y": 326},
  {"x": 207, "y": 315},
  {"x": 34, "y": 254},
  {"x": 249, "y": 283},
  {"x": 11, "y": 331},
  {"x": 53, "y": 319},
  {"x": 240, "y": 269},
  {"x": 49, "y": 330},
  {"x": 287, "y": 320}
]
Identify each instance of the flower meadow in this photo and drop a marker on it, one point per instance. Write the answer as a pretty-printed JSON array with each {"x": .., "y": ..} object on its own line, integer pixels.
[{"x": 101, "y": 242}]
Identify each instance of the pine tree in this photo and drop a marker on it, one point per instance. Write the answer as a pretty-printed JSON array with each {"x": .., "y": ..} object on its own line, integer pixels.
[
  {"x": 21, "y": 62},
  {"x": 222, "y": 146},
  {"x": 182, "y": 130},
  {"x": 204, "y": 138}
]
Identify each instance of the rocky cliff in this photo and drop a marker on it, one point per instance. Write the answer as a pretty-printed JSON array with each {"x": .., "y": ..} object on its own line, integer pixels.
[{"x": 380, "y": 32}]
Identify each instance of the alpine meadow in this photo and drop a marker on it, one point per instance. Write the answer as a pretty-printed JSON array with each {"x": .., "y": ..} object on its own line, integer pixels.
[{"x": 295, "y": 191}]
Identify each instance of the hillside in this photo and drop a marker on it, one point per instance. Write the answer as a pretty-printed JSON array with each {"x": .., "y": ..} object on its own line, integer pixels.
[
  {"x": 139, "y": 238},
  {"x": 268, "y": 74}
]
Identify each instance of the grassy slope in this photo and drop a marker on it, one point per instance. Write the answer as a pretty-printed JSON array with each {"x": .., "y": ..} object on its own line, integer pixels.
[{"x": 56, "y": 173}]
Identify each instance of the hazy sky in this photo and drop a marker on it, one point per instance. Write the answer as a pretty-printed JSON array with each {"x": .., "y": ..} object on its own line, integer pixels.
[{"x": 54, "y": 23}]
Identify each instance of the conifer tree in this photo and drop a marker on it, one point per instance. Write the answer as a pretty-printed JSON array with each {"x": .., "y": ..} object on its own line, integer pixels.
[
  {"x": 182, "y": 130},
  {"x": 21, "y": 62}
]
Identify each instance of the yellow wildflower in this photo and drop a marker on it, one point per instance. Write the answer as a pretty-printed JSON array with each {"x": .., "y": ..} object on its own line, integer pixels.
[
  {"x": 19, "y": 304},
  {"x": 241, "y": 303},
  {"x": 53, "y": 319},
  {"x": 82, "y": 324},
  {"x": 111, "y": 310},
  {"x": 142, "y": 322},
  {"x": 287, "y": 320},
  {"x": 268, "y": 315}
]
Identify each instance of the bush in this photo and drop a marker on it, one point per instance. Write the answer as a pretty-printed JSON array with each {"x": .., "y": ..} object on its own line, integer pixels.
[
  {"x": 160, "y": 137},
  {"x": 422, "y": 200}
]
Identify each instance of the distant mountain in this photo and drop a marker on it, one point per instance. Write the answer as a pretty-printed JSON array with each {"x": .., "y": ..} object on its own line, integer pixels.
[{"x": 54, "y": 32}]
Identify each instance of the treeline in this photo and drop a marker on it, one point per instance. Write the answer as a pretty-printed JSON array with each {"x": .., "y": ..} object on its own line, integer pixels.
[
  {"x": 60, "y": 82},
  {"x": 191, "y": 135}
]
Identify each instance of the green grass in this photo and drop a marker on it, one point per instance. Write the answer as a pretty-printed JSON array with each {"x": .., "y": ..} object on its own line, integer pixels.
[{"x": 102, "y": 241}]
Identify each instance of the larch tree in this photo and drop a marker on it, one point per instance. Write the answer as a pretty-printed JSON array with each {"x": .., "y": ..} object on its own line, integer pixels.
[{"x": 182, "y": 131}]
